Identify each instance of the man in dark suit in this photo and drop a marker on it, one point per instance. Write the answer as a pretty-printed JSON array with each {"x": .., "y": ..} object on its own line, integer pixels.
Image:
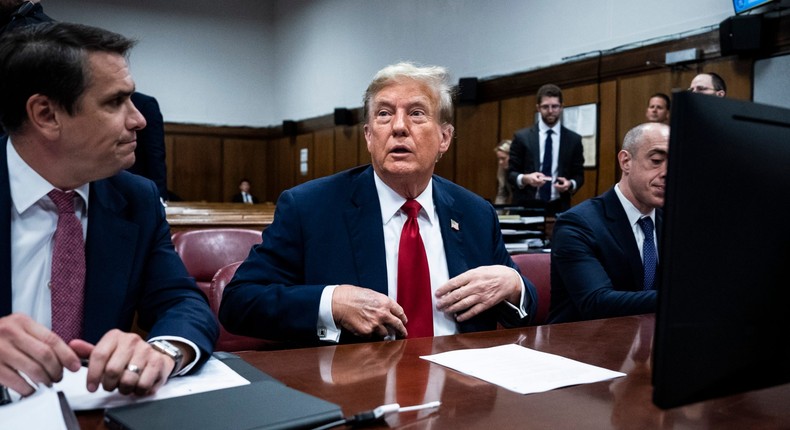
[
  {"x": 328, "y": 267},
  {"x": 546, "y": 160},
  {"x": 598, "y": 247},
  {"x": 149, "y": 155},
  {"x": 68, "y": 144},
  {"x": 244, "y": 195}
]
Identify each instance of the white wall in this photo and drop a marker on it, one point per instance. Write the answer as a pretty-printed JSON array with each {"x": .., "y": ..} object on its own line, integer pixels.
[{"x": 256, "y": 63}]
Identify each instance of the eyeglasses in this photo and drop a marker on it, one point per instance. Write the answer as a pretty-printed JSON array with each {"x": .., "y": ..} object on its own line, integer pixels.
[
  {"x": 550, "y": 107},
  {"x": 701, "y": 89}
]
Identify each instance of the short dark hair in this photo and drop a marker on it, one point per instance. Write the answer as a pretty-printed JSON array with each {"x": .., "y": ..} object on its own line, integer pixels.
[
  {"x": 718, "y": 82},
  {"x": 49, "y": 59},
  {"x": 660, "y": 95},
  {"x": 548, "y": 90}
]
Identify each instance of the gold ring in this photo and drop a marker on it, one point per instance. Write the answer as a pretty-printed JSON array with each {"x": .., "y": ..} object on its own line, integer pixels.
[{"x": 133, "y": 368}]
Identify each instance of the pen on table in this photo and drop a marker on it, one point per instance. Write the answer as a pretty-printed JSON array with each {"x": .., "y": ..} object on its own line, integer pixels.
[{"x": 5, "y": 396}]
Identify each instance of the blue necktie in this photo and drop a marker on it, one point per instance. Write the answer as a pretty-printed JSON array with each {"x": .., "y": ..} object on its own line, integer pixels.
[
  {"x": 545, "y": 189},
  {"x": 649, "y": 254}
]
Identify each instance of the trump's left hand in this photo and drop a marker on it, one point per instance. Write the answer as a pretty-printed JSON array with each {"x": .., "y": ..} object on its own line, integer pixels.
[{"x": 478, "y": 290}]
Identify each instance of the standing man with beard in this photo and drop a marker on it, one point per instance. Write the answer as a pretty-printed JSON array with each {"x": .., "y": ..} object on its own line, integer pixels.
[
  {"x": 547, "y": 159},
  {"x": 604, "y": 257}
]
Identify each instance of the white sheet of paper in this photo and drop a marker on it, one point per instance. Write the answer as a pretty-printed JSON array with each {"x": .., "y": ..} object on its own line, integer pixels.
[
  {"x": 40, "y": 410},
  {"x": 212, "y": 376},
  {"x": 521, "y": 369}
]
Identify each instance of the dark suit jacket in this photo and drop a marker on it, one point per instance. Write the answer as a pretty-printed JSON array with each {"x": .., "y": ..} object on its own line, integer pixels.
[
  {"x": 525, "y": 158},
  {"x": 150, "y": 152},
  {"x": 238, "y": 198},
  {"x": 328, "y": 231},
  {"x": 596, "y": 268},
  {"x": 131, "y": 264}
]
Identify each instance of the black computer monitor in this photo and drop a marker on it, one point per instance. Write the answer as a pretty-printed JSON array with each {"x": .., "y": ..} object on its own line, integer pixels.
[{"x": 723, "y": 318}]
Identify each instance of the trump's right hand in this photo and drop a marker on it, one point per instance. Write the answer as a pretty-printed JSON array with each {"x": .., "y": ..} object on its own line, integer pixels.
[{"x": 367, "y": 313}]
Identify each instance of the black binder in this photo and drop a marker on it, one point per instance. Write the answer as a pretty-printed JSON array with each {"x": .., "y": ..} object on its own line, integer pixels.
[
  {"x": 264, "y": 404},
  {"x": 259, "y": 405}
]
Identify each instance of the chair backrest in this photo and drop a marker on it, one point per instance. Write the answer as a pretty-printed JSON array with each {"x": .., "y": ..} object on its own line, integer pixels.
[
  {"x": 537, "y": 268},
  {"x": 228, "y": 341},
  {"x": 204, "y": 251}
]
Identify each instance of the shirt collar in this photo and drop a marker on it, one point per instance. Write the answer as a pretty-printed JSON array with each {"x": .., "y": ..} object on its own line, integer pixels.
[
  {"x": 27, "y": 186},
  {"x": 630, "y": 210},
  {"x": 391, "y": 202},
  {"x": 543, "y": 127}
]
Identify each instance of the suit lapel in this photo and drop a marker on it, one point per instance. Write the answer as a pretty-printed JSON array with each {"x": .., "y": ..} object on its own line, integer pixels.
[
  {"x": 453, "y": 238},
  {"x": 620, "y": 229},
  {"x": 534, "y": 147},
  {"x": 110, "y": 254},
  {"x": 5, "y": 232},
  {"x": 363, "y": 222}
]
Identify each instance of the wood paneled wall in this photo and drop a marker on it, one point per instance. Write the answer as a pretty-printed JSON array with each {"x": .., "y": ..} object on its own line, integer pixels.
[{"x": 206, "y": 163}]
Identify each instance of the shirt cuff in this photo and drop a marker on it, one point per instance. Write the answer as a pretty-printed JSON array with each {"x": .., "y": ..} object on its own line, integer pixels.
[
  {"x": 187, "y": 366},
  {"x": 519, "y": 183},
  {"x": 521, "y": 309},
  {"x": 327, "y": 330}
]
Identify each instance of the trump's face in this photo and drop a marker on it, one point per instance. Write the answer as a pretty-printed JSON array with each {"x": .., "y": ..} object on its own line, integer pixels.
[{"x": 404, "y": 135}]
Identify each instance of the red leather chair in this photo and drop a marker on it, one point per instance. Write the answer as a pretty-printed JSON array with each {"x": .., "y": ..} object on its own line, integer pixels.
[
  {"x": 228, "y": 341},
  {"x": 537, "y": 268},
  {"x": 204, "y": 251}
]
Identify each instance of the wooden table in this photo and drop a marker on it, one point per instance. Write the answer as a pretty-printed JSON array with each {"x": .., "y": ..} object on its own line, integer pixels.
[{"x": 363, "y": 376}]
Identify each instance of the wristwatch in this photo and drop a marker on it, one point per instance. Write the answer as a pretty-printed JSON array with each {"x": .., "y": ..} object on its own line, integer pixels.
[{"x": 171, "y": 351}]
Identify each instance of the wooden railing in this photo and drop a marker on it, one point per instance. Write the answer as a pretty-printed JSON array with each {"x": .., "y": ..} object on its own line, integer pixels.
[{"x": 195, "y": 215}]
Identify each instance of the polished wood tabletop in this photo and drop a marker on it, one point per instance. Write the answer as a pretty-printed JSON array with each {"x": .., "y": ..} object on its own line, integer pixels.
[{"x": 363, "y": 376}]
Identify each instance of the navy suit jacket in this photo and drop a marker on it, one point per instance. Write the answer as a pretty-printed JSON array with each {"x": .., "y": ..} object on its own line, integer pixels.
[
  {"x": 329, "y": 231},
  {"x": 131, "y": 264},
  {"x": 596, "y": 268},
  {"x": 525, "y": 158}
]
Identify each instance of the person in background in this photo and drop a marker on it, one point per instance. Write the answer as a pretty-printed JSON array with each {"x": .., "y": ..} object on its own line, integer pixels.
[
  {"x": 604, "y": 253},
  {"x": 244, "y": 195},
  {"x": 658, "y": 108},
  {"x": 87, "y": 247},
  {"x": 504, "y": 192},
  {"x": 546, "y": 160},
  {"x": 150, "y": 153},
  {"x": 709, "y": 83},
  {"x": 384, "y": 250}
]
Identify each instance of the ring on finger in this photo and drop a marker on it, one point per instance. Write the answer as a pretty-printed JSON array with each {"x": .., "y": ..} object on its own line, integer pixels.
[{"x": 133, "y": 368}]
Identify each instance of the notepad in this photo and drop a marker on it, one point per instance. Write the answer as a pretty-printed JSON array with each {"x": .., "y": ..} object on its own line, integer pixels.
[{"x": 260, "y": 405}]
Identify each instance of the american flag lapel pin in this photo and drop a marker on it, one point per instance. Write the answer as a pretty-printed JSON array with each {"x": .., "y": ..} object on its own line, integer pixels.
[{"x": 454, "y": 225}]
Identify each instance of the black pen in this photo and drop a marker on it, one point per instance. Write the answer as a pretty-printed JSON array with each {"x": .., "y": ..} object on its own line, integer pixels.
[
  {"x": 84, "y": 362},
  {"x": 5, "y": 396}
]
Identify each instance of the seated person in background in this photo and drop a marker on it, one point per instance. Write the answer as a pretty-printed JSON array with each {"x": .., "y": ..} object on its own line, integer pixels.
[
  {"x": 604, "y": 251},
  {"x": 504, "y": 192},
  {"x": 709, "y": 83},
  {"x": 87, "y": 245},
  {"x": 244, "y": 195},
  {"x": 343, "y": 261},
  {"x": 658, "y": 108}
]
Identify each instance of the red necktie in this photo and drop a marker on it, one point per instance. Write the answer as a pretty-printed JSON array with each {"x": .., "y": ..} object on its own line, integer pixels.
[
  {"x": 414, "y": 281},
  {"x": 68, "y": 269}
]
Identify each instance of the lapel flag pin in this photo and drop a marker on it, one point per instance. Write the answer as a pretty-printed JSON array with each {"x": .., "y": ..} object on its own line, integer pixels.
[{"x": 454, "y": 225}]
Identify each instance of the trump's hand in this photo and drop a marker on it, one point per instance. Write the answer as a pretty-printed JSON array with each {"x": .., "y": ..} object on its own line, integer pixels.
[
  {"x": 478, "y": 290},
  {"x": 367, "y": 313}
]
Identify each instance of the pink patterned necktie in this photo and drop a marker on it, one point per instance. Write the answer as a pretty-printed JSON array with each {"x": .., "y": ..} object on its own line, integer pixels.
[
  {"x": 68, "y": 269},
  {"x": 414, "y": 281}
]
